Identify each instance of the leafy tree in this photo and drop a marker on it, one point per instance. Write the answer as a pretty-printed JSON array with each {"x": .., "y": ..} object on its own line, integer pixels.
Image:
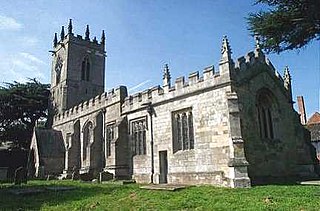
[
  {"x": 21, "y": 105},
  {"x": 287, "y": 25}
]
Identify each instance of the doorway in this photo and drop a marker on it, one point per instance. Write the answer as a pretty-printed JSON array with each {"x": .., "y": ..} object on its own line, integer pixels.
[{"x": 163, "y": 163}]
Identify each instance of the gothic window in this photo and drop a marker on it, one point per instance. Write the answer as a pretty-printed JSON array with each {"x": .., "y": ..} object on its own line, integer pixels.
[
  {"x": 265, "y": 114},
  {"x": 138, "y": 134},
  {"x": 85, "y": 69},
  {"x": 58, "y": 68},
  {"x": 87, "y": 138},
  {"x": 109, "y": 137},
  {"x": 182, "y": 124}
]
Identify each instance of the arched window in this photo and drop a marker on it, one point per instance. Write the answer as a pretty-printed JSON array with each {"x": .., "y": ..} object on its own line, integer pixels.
[
  {"x": 138, "y": 132},
  {"x": 265, "y": 109},
  {"x": 85, "y": 69},
  {"x": 58, "y": 69},
  {"x": 87, "y": 138},
  {"x": 182, "y": 123},
  {"x": 110, "y": 129}
]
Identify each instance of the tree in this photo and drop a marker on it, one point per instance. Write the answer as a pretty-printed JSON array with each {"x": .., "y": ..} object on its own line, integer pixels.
[
  {"x": 21, "y": 105},
  {"x": 287, "y": 25}
]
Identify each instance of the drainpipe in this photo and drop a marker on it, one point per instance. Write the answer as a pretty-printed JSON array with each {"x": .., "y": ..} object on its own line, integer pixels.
[{"x": 150, "y": 112}]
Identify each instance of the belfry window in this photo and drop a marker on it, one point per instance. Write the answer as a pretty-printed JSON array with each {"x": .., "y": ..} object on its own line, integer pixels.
[
  {"x": 85, "y": 69},
  {"x": 265, "y": 108},
  {"x": 58, "y": 69},
  {"x": 138, "y": 134},
  {"x": 182, "y": 123}
]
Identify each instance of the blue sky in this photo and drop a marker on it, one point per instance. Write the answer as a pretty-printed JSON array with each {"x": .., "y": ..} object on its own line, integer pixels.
[{"x": 141, "y": 36}]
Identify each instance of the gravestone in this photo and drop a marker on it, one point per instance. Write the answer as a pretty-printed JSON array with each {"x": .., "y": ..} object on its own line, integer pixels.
[
  {"x": 3, "y": 173},
  {"x": 105, "y": 176},
  {"x": 75, "y": 173},
  {"x": 20, "y": 176}
]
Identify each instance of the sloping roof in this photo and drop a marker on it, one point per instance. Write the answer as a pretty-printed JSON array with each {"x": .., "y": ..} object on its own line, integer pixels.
[
  {"x": 49, "y": 142},
  {"x": 314, "y": 119}
]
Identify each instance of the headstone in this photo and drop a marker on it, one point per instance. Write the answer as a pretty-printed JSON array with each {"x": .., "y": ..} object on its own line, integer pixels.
[
  {"x": 105, "y": 176},
  {"x": 20, "y": 176},
  {"x": 3, "y": 173},
  {"x": 75, "y": 173},
  {"x": 86, "y": 177},
  {"x": 51, "y": 177}
]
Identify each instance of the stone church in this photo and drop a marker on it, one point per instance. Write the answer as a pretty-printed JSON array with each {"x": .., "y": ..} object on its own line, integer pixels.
[{"x": 225, "y": 126}]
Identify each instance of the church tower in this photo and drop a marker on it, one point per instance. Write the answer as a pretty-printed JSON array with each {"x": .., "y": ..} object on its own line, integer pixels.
[{"x": 78, "y": 68}]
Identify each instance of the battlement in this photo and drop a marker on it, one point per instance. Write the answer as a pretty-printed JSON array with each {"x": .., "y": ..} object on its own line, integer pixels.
[
  {"x": 92, "y": 105},
  {"x": 251, "y": 59},
  {"x": 69, "y": 36},
  {"x": 195, "y": 82},
  {"x": 157, "y": 94}
]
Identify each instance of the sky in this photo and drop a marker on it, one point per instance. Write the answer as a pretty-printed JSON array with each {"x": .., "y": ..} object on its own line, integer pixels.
[{"x": 141, "y": 37}]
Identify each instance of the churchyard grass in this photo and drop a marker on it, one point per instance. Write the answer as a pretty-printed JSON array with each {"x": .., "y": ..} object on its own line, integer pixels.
[{"x": 89, "y": 196}]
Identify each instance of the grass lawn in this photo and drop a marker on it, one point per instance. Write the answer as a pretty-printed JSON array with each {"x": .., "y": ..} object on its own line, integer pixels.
[{"x": 88, "y": 196}]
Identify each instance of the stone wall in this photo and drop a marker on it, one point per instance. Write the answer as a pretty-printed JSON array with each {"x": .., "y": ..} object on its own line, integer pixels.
[
  {"x": 207, "y": 97},
  {"x": 285, "y": 153}
]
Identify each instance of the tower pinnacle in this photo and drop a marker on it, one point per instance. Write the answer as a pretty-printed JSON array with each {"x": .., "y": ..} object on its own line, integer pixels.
[
  {"x": 225, "y": 50},
  {"x": 62, "y": 33},
  {"x": 55, "y": 40},
  {"x": 226, "y": 64},
  {"x": 257, "y": 40},
  {"x": 103, "y": 38},
  {"x": 287, "y": 82},
  {"x": 257, "y": 50},
  {"x": 287, "y": 78},
  {"x": 166, "y": 76},
  {"x": 87, "y": 33},
  {"x": 70, "y": 26}
]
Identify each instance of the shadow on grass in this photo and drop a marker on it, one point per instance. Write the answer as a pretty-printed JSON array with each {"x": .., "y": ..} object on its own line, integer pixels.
[
  {"x": 50, "y": 194},
  {"x": 287, "y": 181}
]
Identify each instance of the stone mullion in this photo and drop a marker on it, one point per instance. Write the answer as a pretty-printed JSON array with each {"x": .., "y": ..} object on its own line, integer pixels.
[
  {"x": 185, "y": 131},
  {"x": 188, "y": 130},
  {"x": 191, "y": 130},
  {"x": 265, "y": 126},
  {"x": 181, "y": 132},
  {"x": 269, "y": 120},
  {"x": 144, "y": 142}
]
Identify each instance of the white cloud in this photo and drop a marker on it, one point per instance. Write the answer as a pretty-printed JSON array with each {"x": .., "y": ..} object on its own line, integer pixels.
[
  {"x": 28, "y": 41},
  {"x": 138, "y": 86},
  {"x": 32, "y": 58},
  {"x": 20, "y": 67},
  {"x": 8, "y": 23}
]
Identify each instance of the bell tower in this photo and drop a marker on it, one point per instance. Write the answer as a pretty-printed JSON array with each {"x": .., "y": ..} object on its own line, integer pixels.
[{"x": 78, "y": 68}]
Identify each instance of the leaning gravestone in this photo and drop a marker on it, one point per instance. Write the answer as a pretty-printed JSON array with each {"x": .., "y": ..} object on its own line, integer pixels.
[{"x": 20, "y": 176}]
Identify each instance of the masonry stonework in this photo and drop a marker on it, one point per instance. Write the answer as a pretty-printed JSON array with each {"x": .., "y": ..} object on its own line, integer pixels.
[{"x": 223, "y": 127}]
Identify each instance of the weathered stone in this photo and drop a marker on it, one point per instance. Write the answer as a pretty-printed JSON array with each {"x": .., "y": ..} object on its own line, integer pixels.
[{"x": 223, "y": 128}]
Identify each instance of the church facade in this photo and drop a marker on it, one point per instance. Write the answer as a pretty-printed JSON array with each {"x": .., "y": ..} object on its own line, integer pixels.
[{"x": 226, "y": 126}]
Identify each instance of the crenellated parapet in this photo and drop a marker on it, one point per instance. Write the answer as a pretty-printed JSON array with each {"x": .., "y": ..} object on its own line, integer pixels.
[
  {"x": 195, "y": 83},
  {"x": 78, "y": 39},
  {"x": 100, "y": 102},
  {"x": 229, "y": 72},
  {"x": 249, "y": 65}
]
